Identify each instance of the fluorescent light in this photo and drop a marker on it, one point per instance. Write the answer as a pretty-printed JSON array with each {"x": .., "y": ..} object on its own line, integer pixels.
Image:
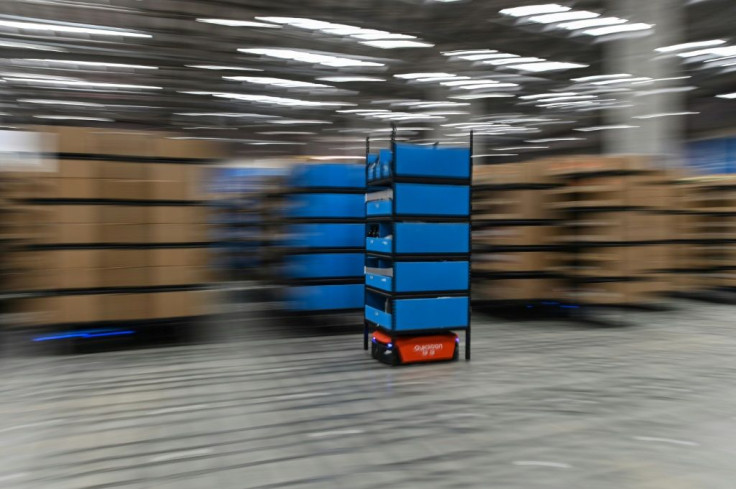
[
  {"x": 724, "y": 51},
  {"x": 390, "y": 44},
  {"x": 664, "y": 114},
  {"x": 613, "y": 29},
  {"x": 309, "y": 57},
  {"x": 547, "y": 8},
  {"x": 102, "y": 31},
  {"x": 546, "y": 95},
  {"x": 266, "y": 99},
  {"x": 222, "y": 68},
  {"x": 31, "y": 46},
  {"x": 482, "y": 95},
  {"x": 81, "y": 83},
  {"x": 690, "y": 45},
  {"x": 239, "y": 23},
  {"x": 622, "y": 80},
  {"x": 507, "y": 61},
  {"x": 727, "y": 95},
  {"x": 550, "y": 140},
  {"x": 569, "y": 97},
  {"x": 547, "y": 66},
  {"x": 91, "y": 63},
  {"x": 286, "y": 133},
  {"x": 563, "y": 16},
  {"x": 602, "y": 77},
  {"x": 298, "y": 121},
  {"x": 414, "y": 76},
  {"x": 605, "y": 128},
  {"x": 73, "y": 117},
  {"x": 516, "y": 148},
  {"x": 458, "y": 83},
  {"x": 584, "y": 24},
  {"x": 330, "y": 28},
  {"x": 480, "y": 57},
  {"x": 59, "y": 102},
  {"x": 223, "y": 114},
  {"x": 277, "y": 82},
  {"x": 351, "y": 79},
  {"x": 492, "y": 84}
]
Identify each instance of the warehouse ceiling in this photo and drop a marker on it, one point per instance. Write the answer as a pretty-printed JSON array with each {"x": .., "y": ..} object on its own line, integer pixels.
[{"x": 316, "y": 77}]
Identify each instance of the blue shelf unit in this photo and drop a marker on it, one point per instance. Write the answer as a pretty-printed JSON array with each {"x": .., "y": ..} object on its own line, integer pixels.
[
  {"x": 324, "y": 238},
  {"x": 418, "y": 241}
]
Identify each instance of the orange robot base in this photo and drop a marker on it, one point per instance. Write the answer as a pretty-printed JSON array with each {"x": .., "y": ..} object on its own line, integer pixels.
[{"x": 414, "y": 349}]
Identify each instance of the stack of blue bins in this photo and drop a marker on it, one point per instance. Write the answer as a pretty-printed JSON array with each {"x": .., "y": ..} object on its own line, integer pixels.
[
  {"x": 325, "y": 237},
  {"x": 417, "y": 274}
]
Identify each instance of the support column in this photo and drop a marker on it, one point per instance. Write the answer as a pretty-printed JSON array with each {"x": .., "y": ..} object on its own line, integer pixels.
[{"x": 661, "y": 136}]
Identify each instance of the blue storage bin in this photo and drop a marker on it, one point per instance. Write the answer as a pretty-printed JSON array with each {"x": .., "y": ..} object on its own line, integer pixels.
[
  {"x": 325, "y": 265},
  {"x": 414, "y": 199},
  {"x": 325, "y": 297},
  {"x": 419, "y": 314},
  {"x": 421, "y": 237},
  {"x": 326, "y": 205},
  {"x": 430, "y": 161},
  {"x": 325, "y": 235},
  {"x": 422, "y": 277},
  {"x": 337, "y": 175}
]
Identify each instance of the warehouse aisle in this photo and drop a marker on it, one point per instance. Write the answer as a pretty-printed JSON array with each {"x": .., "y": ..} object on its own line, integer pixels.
[{"x": 542, "y": 404}]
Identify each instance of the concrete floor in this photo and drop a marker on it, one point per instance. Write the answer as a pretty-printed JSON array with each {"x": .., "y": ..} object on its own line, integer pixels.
[{"x": 543, "y": 404}]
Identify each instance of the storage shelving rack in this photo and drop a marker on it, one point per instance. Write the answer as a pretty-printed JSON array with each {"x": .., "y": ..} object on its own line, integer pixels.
[
  {"x": 418, "y": 244},
  {"x": 322, "y": 248}
]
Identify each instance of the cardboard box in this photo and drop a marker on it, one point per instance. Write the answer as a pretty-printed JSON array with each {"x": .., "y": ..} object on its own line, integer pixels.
[
  {"x": 623, "y": 226},
  {"x": 124, "y": 189},
  {"x": 124, "y": 233},
  {"x": 167, "y": 190},
  {"x": 519, "y": 261},
  {"x": 516, "y": 235},
  {"x": 179, "y": 257},
  {"x": 177, "y": 275},
  {"x": 126, "y": 143},
  {"x": 74, "y": 140},
  {"x": 625, "y": 261},
  {"x": 178, "y": 233},
  {"x": 124, "y": 214},
  {"x": 79, "y": 188},
  {"x": 526, "y": 289},
  {"x": 167, "y": 172},
  {"x": 76, "y": 278},
  {"x": 176, "y": 215},
  {"x": 77, "y": 308},
  {"x": 121, "y": 307},
  {"x": 124, "y": 277},
  {"x": 187, "y": 148},
  {"x": 123, "y": 170},
  {"x": 75, "y": 259},
  {"x": 623, "y": 293},
  {"x": 76, "y": 214},
  {"x": 79, "y": 168},
  {"x": 73, "y": 234},
  {"x": 179, "y": 304},
  {"x": 513, "y": 205},
  {"x": 124, "y": 258},
  {"x": 571, "y": 165}
]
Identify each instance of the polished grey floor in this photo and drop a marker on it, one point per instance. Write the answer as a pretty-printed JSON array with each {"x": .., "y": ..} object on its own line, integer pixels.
[{"x": 648, "y": 404}]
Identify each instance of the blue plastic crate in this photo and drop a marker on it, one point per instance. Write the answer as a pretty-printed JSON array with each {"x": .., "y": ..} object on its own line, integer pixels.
[
  {"x": 413, "y": 199},
  {"x": 324, "y": 265},
  {"x": 325, "y": 297},
  {"x": 430, "y": 161},
  {"x": 325, "y": 235},
  {"x": 326, "y": 205},
  {"x": 337, "y": 175},
  {"x": 421, "y": 237},
  {"x": 420, "y": 314},
  {"x": 422, "y": 277}
]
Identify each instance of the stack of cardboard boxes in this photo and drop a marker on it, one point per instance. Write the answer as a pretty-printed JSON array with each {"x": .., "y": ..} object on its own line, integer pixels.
[
  {"x": 514, "y": 225},
  {"x": 583, "y": 229},
  {"x": 120, "y": 229},
  {"x": 617, "y": 229},
  {"x": 709, "y": 224}
]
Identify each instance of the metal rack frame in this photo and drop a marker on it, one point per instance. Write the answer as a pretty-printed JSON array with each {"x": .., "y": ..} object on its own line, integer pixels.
[{"x": 369, "y": 326}]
